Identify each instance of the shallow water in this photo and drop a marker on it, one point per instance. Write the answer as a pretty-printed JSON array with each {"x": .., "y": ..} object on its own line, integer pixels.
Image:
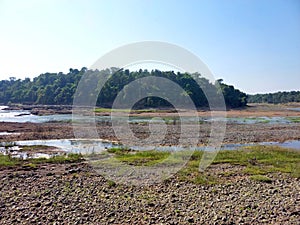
[
  {"x": 23, "y": 116},
  {"x": 98, "y": 146}
]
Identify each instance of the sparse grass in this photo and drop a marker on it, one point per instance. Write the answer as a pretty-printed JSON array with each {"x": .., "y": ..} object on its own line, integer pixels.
[
  {"x": 7, "y": 161},
  {"x": 60, "y": 159},
  {"x": 294, "y": 119},
  {"x": 145, "y": 158},
  {"x": 257, "y": 161},
  {"x": 30, "y": 165},
  {"x": 119, "y": 150},
  {"x": 261, "y": 178}
]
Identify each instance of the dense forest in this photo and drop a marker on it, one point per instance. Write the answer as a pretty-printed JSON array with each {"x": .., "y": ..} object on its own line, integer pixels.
[
  {"x": 275, "y": 98},
  {"x": 59, "y": 88}
]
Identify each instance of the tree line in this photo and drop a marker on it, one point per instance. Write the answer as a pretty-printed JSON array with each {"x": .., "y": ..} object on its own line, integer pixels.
[
  {"x": 59, "y": 88},
  {"x": 275, "y": 98}
]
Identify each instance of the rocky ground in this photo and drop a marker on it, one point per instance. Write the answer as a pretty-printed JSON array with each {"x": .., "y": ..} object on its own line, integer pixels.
[{"x": 75, "y": 194}]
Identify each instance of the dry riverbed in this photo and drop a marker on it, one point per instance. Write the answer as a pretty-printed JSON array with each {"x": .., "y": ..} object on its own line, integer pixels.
[{"x": 74, "y": 193}]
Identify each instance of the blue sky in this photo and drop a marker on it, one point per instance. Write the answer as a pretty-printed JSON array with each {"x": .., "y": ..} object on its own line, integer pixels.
[{"x": 252, "y": 44}]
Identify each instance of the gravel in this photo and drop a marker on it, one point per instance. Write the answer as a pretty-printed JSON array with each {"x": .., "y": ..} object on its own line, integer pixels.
[{"x": 55, "y": 194}]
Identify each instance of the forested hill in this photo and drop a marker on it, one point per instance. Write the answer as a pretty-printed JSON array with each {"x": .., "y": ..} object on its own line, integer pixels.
[
  {"x": 275, "y": 98},
  {"x": 59, "y": 88}
]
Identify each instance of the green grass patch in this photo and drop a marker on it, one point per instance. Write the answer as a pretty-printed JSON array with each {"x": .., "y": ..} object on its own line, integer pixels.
[
  {"x": 8, "y": 161},
  {"x": 256, "y": 160},
  {"x": 143, "y": 158},
  {"x": 119, "y": 150},
  {"x": 261, "y": 178},
  {"x": 294, "y": 119}
]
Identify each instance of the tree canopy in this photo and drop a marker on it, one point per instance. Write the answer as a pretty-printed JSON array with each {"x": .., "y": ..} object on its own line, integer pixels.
[
  {"x": 59, "y": 88},
  {"x": 275, "y": 98}
]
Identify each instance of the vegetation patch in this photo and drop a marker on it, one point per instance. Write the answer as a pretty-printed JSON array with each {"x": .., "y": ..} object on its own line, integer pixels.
[
  {"x": 261, "y": 178},
  {"x": 119, "y": 150},
  {"x": 256, "y": 160},
  {"x": 8, "y": 161},
  {"x": 143, "y": 158},
  {"x": 294, "y": 119}
]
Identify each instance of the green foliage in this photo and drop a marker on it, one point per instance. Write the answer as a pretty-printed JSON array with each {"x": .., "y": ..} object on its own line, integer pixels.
[
  {"x": 275, "y": 98},
  {"x": 59, "y": 88},
  {"x": 234, "y": 98}
]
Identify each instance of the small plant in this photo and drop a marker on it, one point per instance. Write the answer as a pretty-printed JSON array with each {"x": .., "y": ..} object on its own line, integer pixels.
[{"x": 111, "y": 183}]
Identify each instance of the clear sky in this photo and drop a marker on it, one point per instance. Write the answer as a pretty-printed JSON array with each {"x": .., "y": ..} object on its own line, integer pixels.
[{"x": 252, "y": 44}]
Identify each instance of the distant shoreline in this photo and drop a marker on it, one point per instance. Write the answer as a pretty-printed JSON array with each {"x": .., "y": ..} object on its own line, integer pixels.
[{"x": 252, "y": 109}]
